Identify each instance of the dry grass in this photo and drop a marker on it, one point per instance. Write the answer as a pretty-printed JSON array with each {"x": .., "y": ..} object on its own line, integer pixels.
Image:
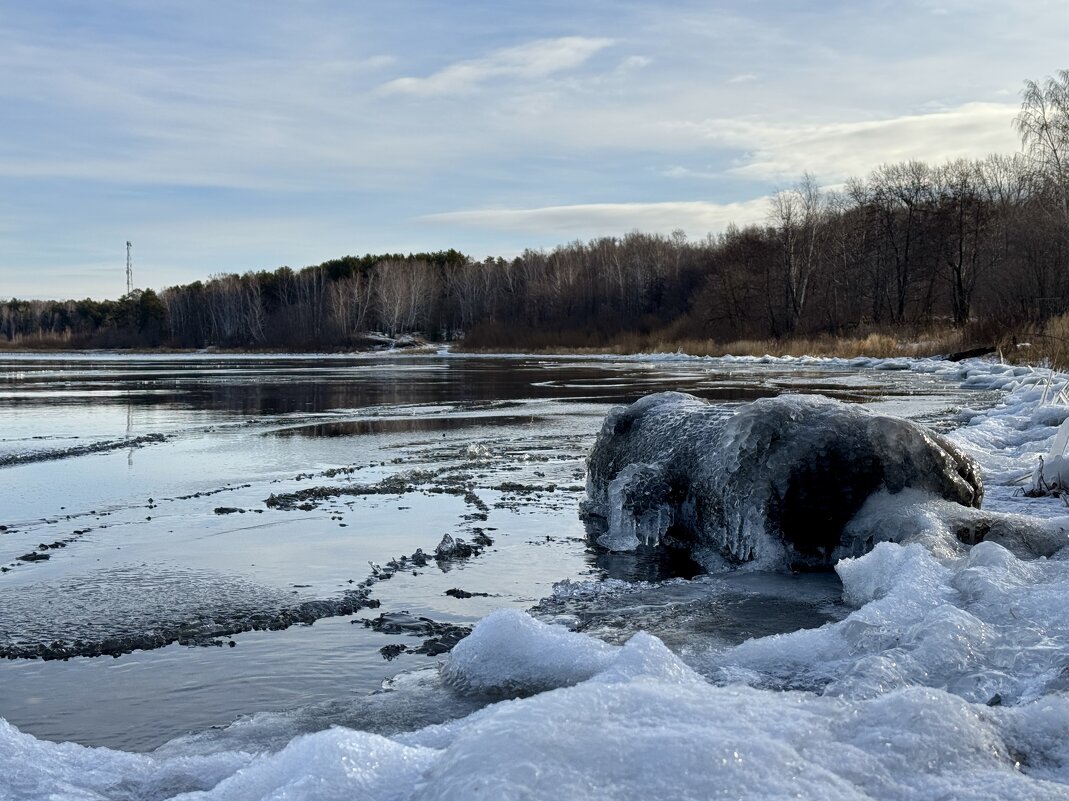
[
  {"x": 1046, "y": 344},
  {"x": 916, "y": 341},
  {"x": 932, "y": 341},
  {"x": 47, "y": 341},
  {"x": 876, "y": 345}
]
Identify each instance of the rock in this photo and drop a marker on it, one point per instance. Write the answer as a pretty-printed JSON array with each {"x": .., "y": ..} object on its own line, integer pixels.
[
  {"x": 775, "y": 482},
  {"x": 441, "y": 637},
  {"x": 456, "y": 592},
  {"x": 454, "y": 548},
  {"x": 392, "y": 651}
]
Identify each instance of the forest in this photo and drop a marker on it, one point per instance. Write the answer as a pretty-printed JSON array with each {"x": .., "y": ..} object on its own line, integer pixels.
[{"x": 979, "y": 248}]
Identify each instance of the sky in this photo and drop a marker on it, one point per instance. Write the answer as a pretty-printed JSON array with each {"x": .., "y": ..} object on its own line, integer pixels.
[{"x": 246, "y": 135}]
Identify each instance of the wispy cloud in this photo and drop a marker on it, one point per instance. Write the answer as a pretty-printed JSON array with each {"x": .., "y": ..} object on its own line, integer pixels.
[
  {"x": 697, "y": 218},
  {"x": 838, "y": 150},
  {"x": 772, "y": 150},
  {"x": 529, "y": 61}
]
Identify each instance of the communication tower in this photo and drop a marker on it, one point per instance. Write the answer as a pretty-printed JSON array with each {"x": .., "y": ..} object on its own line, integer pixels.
[{"x": 129, "y": 269}]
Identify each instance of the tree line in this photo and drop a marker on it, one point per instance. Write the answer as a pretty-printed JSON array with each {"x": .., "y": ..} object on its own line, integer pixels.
[{"x": 906, "y": 248}]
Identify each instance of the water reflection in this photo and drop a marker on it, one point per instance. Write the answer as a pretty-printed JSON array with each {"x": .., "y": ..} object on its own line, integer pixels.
[
  {"x": 393, "y": 425},
  {"x": 276, "y": 386}
]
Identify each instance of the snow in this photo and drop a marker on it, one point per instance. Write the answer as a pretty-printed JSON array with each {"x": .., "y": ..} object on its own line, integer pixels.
[{"x": 948, "y": 677}]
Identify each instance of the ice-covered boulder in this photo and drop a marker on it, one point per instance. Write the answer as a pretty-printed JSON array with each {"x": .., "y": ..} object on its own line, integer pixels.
[{"x": 776, "y": 481}]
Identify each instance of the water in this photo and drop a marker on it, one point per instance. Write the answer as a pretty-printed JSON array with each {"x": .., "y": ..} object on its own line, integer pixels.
[{"x": 146, "y": 481}]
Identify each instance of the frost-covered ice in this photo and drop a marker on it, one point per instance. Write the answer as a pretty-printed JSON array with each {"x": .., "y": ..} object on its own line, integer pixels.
[
  {"x": 774, "y": 483},
  {"x": 643, "y": 725},
  {"x": 948, "y": 678}
]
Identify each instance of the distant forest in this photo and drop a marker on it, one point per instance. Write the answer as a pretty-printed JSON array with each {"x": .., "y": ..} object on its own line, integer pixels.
[{"x": 981, "y": 245}]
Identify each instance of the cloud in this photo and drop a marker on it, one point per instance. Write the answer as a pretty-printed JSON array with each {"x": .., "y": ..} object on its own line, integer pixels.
[
  {"x": 533, "y": 60},
  {"x": 697, "y": 218},
  {"x": 772, "y": 151}
]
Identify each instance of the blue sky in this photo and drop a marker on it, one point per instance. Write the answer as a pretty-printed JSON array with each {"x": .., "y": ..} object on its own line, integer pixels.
[{"x": 229, "y": 136}]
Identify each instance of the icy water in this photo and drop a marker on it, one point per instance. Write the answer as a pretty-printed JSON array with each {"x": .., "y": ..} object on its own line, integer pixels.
[
  {"x": 149, "y": 476},
  {"x": 242, "y": 550}
]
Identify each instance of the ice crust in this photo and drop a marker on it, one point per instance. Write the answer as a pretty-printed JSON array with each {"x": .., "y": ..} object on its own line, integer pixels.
[
  {"x": 949, "y": 679},
  {"x": 645, "y": 725},
  {"x": 774, "y": 483}
]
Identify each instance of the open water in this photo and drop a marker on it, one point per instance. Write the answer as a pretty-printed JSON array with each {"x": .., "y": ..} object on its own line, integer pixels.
[{"x": 145, "y": 549}]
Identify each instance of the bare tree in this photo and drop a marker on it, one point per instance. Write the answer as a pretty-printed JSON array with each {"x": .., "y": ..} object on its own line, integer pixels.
[
  {"x": 404, "y": 294},
  {"x": 351, "y": 300},
  {"x": 1043, "y": 123},
  {"x": 796, "y": 216},
  {"x": 899, "y": 193},
  {"x": 964, "y": 219}
]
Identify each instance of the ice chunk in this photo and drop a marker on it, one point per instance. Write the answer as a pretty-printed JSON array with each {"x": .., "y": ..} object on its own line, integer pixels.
[
  {"x": 510, "y": 653},
  {"x": 329, "y": 765},
  {"x": 910, "y": 571},
  {"x": 776, "y": 482},
  {"x": 946, "y": 528}
]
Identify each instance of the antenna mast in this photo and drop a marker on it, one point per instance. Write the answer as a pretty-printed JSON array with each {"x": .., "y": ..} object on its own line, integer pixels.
[{"x": 129, "y": 269}]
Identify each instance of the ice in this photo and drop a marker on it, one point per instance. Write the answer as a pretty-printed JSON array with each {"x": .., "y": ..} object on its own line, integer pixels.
[
  {"x": 947, "y": 529},
  {"x": 774, "y": 483},
  {"x": 1052, "y": 473},
  {"x": 983, "y": 626},
  {"x": 512, "y": 653},
  {"x": 33, "y": 769},
  {"x": 947, "y": 679},
  {"x": 645, "y": 726},
  {"x": 638, "y": 511}
]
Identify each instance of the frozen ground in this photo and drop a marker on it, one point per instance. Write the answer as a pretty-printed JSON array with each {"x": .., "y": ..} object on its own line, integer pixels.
[{"x": 918, "y": 673}]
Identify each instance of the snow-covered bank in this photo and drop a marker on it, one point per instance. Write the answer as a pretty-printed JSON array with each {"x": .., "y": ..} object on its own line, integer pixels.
[{"x": 947, "y": 679}]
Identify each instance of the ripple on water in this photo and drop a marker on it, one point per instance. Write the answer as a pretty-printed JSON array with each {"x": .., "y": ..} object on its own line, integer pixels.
[{"x": 129, "y": 607}]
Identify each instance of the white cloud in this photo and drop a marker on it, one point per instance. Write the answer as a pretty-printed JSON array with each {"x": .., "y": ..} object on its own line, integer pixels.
[
  {"x": 835, "y": 150},
  {"x": 635, "y": 62},
  {"x": 697, "y": 218},
  {"x": 532, "y": 60}
]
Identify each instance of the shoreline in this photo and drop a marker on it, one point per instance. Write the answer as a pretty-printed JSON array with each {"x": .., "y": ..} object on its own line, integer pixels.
[{"x": 877, "y": 347}]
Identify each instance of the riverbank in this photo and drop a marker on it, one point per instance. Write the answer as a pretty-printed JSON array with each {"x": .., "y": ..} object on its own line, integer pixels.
[{"x": 1044, "y": 344}]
